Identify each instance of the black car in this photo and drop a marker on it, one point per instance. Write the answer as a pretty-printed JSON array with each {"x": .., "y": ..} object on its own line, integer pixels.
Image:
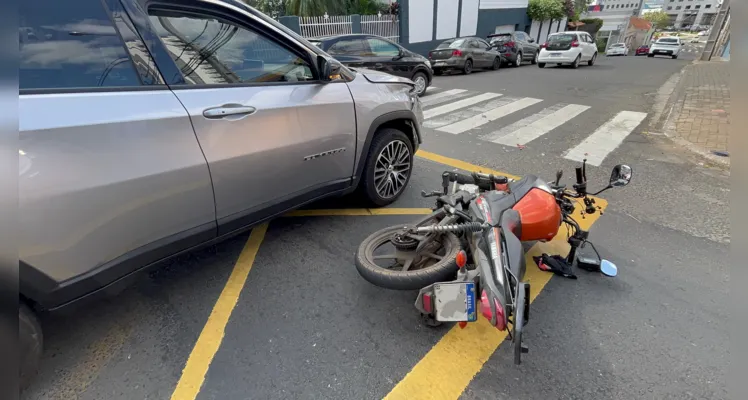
[
  {"x": 377, "y": 53},
  {"x": 516, "y": 47}
]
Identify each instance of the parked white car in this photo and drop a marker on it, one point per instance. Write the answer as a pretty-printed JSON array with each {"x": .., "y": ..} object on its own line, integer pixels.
[
  {"x": 617, "y": 49},
  {"x": 666, "y": 46},
  {"x": 571, "y": 48}
]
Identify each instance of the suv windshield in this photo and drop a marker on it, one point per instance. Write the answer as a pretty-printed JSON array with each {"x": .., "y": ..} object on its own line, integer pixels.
[{"x": 451, "y": 44}]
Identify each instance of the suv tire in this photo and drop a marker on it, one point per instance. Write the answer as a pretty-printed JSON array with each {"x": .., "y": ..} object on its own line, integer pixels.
[
  {"x": 381, "y": 157},
  {"x": 30, "y": 340}
]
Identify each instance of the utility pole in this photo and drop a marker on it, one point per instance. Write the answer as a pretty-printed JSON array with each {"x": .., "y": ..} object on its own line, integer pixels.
[{"x": 719, "y": 24}]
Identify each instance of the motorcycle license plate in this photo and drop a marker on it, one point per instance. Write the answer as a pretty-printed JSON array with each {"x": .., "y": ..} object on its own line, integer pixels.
[{"x": 455, "y": 301}]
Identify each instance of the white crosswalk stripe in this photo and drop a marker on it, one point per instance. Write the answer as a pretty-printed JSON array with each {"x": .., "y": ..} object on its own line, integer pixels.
[
  {"x": 606, "y": 138},
  {"x": 433, "y": 112},
  {"x": 488, "y": 116},
  {"x": 535, "y": 126},
  {"x": 442, "y": 97},
  {"x": 466, "y": 112}
]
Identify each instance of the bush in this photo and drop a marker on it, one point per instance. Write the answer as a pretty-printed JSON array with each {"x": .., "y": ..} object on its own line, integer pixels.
[{"x": 601, "y": 45}]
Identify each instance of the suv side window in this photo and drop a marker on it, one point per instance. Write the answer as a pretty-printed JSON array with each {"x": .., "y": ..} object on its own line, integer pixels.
[
  {"x": 348, "y": 47},
  {"x": 71, "y": 44},
  {"x": 208, "y": 50},
  {"x": 380, "y": 48},
  {"x": 482, "y": 43},
  {"x": 520, "y": 36}
]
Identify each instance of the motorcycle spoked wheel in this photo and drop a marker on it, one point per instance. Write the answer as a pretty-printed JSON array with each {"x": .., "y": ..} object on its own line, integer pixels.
[
  {"x": 406, "y": 269},
  {"x": 518, "y": 322}
]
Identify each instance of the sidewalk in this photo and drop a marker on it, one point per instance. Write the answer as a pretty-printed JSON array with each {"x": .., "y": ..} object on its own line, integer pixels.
[{"x": 701, "y": 109}]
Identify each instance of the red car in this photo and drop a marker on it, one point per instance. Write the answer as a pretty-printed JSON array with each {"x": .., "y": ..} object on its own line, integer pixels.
[{"x": 642, "y": 50}]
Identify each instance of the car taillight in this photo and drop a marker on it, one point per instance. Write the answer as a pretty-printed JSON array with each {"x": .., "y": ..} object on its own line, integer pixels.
[
  {"x": 575, "y": 44},
  {"x": 509, "y": 44},
  {"x": 486, "y": 311},
  {"x": 456, "y": 53},
  {"x": 544, "y": 45}
]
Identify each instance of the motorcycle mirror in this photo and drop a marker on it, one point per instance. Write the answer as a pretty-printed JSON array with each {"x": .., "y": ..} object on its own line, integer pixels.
[
  {"x": 559, "y": 174},
  {"x": 608, "y": 268},
  {"x": 621, "y": 175}
]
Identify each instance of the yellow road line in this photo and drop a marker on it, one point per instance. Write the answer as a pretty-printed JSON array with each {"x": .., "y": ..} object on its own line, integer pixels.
[
  {"x": 459, "y": 164},
  {"x": 450, "y": 366},
  {"x": 193, "y": 374},
  {"x": 359, "y": 212}
]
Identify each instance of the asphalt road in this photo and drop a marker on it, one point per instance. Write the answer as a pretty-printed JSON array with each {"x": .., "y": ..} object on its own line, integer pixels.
[{"x": 305, "y": 325}]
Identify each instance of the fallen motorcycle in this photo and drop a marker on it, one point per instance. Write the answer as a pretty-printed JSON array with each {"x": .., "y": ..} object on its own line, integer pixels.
[{"x": 483, "y": 218}]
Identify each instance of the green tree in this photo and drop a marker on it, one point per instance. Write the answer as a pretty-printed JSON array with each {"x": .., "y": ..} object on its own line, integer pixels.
[
  {"x": 659, "y": 19},
  {"x": 315, "y": 8},
  {"x": 544, "y": 10}
]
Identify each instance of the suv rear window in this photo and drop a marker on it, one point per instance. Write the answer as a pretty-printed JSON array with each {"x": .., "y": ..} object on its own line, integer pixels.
[
  {"x": 502, "y": 38},
  {"x": 668, "y": 41},
  {"x": 71, "y": 44},
  {"x": 451, "y": 44}
]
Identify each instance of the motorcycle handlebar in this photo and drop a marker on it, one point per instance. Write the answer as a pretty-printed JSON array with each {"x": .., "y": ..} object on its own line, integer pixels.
[
  {"x": 483, "y": 181},
  {"x": 580, "y": 177}
]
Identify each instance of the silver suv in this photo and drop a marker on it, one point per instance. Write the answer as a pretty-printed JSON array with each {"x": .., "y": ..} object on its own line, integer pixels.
[{"x": 152, "y": 128}]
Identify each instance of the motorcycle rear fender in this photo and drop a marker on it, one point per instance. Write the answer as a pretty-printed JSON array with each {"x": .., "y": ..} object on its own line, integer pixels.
[{"x": 511, "y": 230}]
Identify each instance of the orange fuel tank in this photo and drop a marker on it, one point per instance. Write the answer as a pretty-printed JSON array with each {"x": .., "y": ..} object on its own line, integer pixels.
[{"x": 540, "y": 215}]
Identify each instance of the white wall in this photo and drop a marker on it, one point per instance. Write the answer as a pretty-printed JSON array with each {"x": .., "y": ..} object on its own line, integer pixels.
[
  {"x": 555, "y": 27},
  {"x": 494, "y": 4},
  {"x": 446, "y": 19},
  {"x": 469, "y": 17},
  {"x": 421, "y": 20}
]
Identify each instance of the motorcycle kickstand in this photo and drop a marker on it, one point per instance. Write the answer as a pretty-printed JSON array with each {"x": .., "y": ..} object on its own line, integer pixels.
[{"x": 430, "y": 320}]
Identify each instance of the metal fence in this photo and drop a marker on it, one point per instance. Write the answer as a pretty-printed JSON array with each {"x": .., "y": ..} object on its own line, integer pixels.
[
  {"x": 387, "y": 26},
  {"x": 325, "y": 26}
]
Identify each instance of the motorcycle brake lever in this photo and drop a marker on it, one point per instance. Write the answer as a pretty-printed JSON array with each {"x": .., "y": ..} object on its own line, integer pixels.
[{"x": 433, "y": 193}]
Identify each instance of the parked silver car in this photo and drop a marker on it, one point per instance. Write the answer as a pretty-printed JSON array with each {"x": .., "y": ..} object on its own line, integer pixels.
[
  {"x": 464, "y": 55},
  {"x": 150, "y": 129}
]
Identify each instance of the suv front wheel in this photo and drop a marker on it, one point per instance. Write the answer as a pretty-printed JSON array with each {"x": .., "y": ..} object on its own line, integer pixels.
[
  {"x": 30, "y": 341},
  {"x": 389, "y": 166}
]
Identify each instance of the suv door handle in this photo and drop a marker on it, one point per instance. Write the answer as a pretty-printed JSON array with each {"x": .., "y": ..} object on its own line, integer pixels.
[{"x": 228, "y": 110}]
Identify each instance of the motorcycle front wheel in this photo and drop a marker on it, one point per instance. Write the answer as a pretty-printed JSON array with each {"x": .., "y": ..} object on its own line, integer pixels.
[
  {"x": 518, "y": 322},
  {"x": 400, "y": 267}
]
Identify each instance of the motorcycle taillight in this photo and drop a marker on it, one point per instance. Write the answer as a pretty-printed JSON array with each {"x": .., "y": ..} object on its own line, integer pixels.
[{"x": 486, "y": 311}]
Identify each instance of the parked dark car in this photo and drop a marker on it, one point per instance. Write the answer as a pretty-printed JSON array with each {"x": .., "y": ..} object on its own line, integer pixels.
[
  {"x": 464, "y": 54},
  {"x": 642, "y": 50},
  {"x": 377, "y": 53},
  {"x": 516, "y": 47}
]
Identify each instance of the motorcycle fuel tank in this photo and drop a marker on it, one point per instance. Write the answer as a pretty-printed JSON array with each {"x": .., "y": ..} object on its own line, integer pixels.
[{"x": 540, "y": 215}]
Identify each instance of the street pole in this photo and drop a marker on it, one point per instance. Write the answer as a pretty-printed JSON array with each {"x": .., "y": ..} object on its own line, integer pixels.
[{"x": 717, "y": 27}]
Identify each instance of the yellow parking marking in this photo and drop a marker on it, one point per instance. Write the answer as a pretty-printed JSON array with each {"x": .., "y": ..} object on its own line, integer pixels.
[
  {"x": 210, "y": 338},
  {"x": 448, "y": 368},
  {"x": 459, "y": 164},
  {"x": 359, "y": 212}
]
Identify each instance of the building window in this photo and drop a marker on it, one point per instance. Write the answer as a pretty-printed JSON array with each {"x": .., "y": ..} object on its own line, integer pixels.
[
  {"x": 698, "y": 6},
  {"x": 688, "y": 7},
  {"x": 708, "y": 6},
  {"x": 670, "y": 8},
  {"x": 678, "y": 8}
]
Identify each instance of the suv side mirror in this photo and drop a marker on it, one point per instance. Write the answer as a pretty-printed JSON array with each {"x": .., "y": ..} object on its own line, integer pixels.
[
  {"x": 531, "y": 40},
  {"x": 399, "y": 55},
  {"x": 329, "y": 70}
]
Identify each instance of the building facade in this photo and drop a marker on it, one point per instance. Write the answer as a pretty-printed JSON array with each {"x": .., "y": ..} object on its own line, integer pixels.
[{"x": 684, "y": 14}]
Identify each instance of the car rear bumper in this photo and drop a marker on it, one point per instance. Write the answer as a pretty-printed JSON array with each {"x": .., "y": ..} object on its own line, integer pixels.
[
  {"x": 663, "y": 52},
  {"x": 563, "y": 57},
  {"x": 453, "y": 62}
]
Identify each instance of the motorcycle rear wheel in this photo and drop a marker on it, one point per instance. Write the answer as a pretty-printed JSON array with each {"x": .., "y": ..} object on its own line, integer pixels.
[{"x": 424, "y": 273}]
